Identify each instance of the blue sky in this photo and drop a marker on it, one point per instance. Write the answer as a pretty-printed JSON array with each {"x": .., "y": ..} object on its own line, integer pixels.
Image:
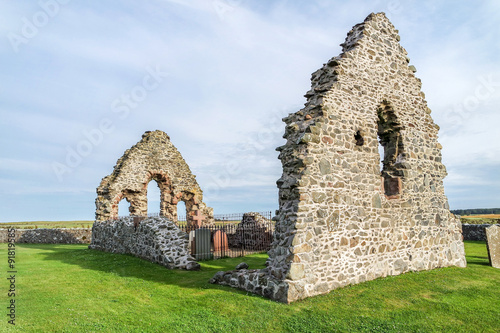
[{"x": 218, "y": 76}]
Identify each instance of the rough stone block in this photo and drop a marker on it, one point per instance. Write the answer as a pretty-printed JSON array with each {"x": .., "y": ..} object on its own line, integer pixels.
[{"x": 493, "y": 243}]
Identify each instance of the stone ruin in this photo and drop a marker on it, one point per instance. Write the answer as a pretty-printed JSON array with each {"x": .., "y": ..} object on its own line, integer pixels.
[
  {"x": 343, "y": 219},
  {"x": 152, "y": 158},
  {"x": 157, "y": 239}
]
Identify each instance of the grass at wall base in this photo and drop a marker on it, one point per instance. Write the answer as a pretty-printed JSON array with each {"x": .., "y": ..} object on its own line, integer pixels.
[{"x": 73, "y": 289}]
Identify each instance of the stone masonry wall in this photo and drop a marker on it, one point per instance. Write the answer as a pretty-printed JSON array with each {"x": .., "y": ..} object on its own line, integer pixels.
[
  {"x": 155, "y": 239},
  {"x": 50, "y": 236},
  {"x": 475, "y": 232},
  {"x": 152, "y": 158},
  {"x": 342, "y": 220}
]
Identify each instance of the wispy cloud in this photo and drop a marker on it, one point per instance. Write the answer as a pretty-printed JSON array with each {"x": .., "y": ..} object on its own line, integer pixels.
[{"x": 233, "y": 72}]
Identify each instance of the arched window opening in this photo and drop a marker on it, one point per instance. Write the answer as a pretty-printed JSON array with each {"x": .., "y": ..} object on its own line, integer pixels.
[
  {"x": 153, "y": 198},
  {"x": 389, "y": 135},
  {"x": 123, "y": 208},
  {"x": 181, "y": 211}
]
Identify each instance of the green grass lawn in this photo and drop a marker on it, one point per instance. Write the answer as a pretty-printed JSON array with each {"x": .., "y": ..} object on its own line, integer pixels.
[{"x": 68, "y": 288}]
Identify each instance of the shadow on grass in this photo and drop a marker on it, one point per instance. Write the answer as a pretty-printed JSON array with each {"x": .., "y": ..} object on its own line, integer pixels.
[
  {"x": 125, "y": 265},
  {"x": 133, "y": 267},
  {"x": 478, "y": 260}
]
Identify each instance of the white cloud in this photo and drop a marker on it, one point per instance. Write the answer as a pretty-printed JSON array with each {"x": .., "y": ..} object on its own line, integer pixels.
[{"x": 234, "y": 71}]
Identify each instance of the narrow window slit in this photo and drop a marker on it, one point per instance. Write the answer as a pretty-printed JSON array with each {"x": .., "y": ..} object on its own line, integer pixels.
[{"x": 359, "y": 139}]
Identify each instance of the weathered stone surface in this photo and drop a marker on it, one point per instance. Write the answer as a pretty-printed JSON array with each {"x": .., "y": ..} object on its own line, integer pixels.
[
  {"x": 324, "y": 167},
  {"x": 152, "y": 158},
  {"x": 400, "y": 265},
  {"x": 241, "y": 266},
  {"x": 50, "y": 236},
  {"x": 296, "y": 272},
  {"x": 217, "y": 277},
  {"x": 155, "y": 239},
  {"x": 377, "y": 202},
  {"x": 493, "y": 243},
  {"x": 342, "y": 220}
]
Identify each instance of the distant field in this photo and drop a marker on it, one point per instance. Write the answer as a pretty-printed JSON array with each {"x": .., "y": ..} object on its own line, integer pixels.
[
  {"x": 484, "y": 216},
  {"x": 480, "y": 219},
  {"x": 47, "y": 224}
]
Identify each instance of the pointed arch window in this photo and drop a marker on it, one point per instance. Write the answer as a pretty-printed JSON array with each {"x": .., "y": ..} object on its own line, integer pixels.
[{"x": 154, "y": 196}]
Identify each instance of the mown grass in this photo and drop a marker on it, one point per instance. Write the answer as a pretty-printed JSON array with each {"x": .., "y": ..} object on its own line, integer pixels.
[
  {"x": 47, "y": 224},
  {"x": 73, "y": 289}
]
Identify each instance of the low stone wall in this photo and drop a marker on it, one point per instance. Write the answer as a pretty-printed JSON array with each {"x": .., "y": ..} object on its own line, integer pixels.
[
  {"x": 155, "y": 239},
  {"x": 475, "y": 232},
  {"x": 50, "y": 236}
]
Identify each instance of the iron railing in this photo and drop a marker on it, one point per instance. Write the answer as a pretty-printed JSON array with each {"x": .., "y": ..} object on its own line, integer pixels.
[
  {"x": 229, "y": 239},
  {"x": 227, "y": 236},
  {"x": 224, "y": 218}
]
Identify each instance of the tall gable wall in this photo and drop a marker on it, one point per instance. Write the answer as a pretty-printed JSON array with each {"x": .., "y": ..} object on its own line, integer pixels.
[{"x": 341, "y": 219}]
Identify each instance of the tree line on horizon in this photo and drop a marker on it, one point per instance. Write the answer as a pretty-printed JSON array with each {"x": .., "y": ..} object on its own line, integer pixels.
[{"x": 476, "y": 211}]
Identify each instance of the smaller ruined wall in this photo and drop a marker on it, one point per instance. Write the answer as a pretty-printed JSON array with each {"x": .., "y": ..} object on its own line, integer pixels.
[
  {"x": 50, "y": 236},
  {"x": 154, "y": 158},
  {"x": 475, "y": 232},
  {"x": 155, "y": 239}
]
